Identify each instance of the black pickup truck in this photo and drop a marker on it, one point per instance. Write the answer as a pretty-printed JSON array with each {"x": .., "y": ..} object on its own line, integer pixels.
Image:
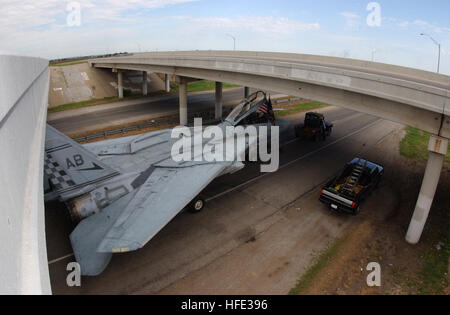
[
  {"x": 345, "y": 192},
  {"x": 315, "y": 127}
]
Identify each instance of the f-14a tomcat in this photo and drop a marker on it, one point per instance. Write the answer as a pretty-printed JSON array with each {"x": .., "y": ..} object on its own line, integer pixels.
[{"x": 124, "y": 191}]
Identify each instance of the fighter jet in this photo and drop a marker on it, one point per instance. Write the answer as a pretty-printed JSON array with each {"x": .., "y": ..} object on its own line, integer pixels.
[{"x": 124, "y": 191}]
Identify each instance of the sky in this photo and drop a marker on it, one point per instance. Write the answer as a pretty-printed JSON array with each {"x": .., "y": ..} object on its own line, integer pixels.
[{"x": 386, "y": 31}]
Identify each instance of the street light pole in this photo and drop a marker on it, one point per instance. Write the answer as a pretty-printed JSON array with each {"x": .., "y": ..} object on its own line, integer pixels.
[
  {"x": 234, "y": 41},
  {"x": 439, "y": 47},
  {"x": 439, "y": 58}
]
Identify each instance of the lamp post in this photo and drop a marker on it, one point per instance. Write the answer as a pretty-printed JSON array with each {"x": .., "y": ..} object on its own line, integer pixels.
[
  {"x": 373, "y": 55},
  {"x": 439, "y": 47},
  {"x": 234, "y": 41}
]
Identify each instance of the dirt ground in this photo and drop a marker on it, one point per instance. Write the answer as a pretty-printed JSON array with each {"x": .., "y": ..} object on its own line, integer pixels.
[{"x": 379, "y": 234}]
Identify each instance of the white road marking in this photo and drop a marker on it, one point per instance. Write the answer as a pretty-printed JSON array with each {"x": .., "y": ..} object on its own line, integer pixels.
[
  {"x": 61, "y": 258},
  {"x": 266, "y": 174},
  {"x": 294, "y": 161}
]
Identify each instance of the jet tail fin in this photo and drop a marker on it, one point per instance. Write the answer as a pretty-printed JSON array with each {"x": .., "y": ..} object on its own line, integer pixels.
[{"x": 69, "y": 167}]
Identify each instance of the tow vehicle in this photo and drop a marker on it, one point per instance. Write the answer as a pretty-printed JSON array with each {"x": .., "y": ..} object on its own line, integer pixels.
[
  {"x": 345, "y": 192},
  {"x": 315, "y": 127}
]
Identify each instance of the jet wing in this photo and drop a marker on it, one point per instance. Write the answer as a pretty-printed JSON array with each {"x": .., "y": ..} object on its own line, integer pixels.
[
  {"x": 129, "y": 145},
  {"x": 129, "y": 223}
]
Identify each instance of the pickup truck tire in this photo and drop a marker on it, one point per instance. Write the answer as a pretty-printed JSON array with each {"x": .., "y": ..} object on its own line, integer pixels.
[
  {"x": 356, "y": 211},
  {"x": 377, "y": 185},
  {"x": 317, "y": 137}
]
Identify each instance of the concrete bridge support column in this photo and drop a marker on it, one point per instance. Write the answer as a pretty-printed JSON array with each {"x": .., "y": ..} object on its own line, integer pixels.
[
  {"x": 219, "y": 100},
  {"x": 246, "y": 91},
  {"x": 120, "y": 83},
  {"x": 167, "y": 83},
  {"x": 144, "y": 83},
  {"x": 438, "y": 149},
  {"x": 183, "y": 101}
]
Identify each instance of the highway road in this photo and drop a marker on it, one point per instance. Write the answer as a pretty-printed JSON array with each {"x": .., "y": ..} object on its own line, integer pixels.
[
  {"x": 256, "y": 235},
  {"x": 114, "y": 114}
]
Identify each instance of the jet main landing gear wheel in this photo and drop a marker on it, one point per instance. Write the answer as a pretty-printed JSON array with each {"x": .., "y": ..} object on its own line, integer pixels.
[{"x": 196, "y": 205}]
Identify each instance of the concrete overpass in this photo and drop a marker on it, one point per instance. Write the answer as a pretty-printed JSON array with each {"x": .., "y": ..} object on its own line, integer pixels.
[{"x": 412, "y": 97}]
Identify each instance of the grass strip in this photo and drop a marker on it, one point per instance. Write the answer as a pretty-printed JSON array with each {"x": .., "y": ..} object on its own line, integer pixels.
[
  {"x": 300, "y": 108},
  {"x": 319, "y": 263},
  {"x": 415, "y": 145}
]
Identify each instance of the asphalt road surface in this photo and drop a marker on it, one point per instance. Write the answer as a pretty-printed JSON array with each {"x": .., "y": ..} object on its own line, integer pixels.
[
  {"x": 256, "y": 235},
  {"x": 102, "y": 116}
]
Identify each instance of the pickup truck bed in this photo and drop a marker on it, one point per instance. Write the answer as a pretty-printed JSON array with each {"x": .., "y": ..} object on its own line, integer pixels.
[{"x": 345, "y": 192}]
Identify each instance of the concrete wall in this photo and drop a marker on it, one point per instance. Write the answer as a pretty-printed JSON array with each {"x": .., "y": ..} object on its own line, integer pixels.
[
  {"x": 79, "y": 82},
  {"x": 23, "y": 107}
]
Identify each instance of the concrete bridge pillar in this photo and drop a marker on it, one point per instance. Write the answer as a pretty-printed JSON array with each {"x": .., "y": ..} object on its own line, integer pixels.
[
  {"x": 183, "y": 101},
  {"x": 219, "y": 100},
  {"x": 144, "y": 83},
  {"x": 438, "y": 149},
  {"x": 246, "y": 91},
  {"x": 167, "y": 83},
  {"x": 120, "y": 83}
]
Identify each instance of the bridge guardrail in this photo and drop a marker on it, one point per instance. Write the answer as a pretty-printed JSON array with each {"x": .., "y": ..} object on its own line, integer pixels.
[{"x": 123, "y": 130}]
